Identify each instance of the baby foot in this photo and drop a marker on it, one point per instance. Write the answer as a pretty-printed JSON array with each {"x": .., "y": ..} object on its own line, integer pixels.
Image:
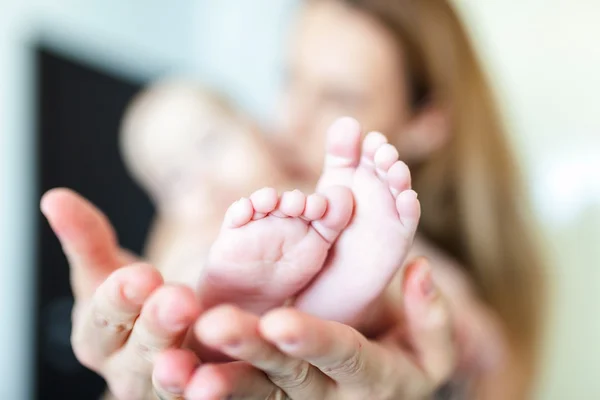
[
  {"x": 373, "y": 247},
  {"x": 270, "y": 248}
]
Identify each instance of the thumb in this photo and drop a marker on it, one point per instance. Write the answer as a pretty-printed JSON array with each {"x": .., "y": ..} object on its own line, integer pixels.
[
  {"x": 86, "y": 236},
  {"x": 428, "y": 323}
]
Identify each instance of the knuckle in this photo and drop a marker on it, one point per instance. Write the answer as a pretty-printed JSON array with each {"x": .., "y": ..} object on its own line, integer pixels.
[
  {"x": 350, "y": 366},
  {"x": 145, "y": 351},
  {"x": 145, "y": 346},
  {"x": 105, "y": 321},
  {"x": 298, "y": 376}
]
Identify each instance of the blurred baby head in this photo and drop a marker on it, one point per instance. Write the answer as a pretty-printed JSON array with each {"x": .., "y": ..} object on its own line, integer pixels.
[{"x": 191, "y": 151}]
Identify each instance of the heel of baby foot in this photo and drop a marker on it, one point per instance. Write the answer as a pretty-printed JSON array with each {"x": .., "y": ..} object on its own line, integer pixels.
[
  {"x": 409, "y": 210},
  {"x": 340, "y": 205}
]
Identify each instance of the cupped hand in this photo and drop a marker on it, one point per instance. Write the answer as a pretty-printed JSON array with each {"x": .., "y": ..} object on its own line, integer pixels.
[
  {"x": 124, "y": 314},
  {"x": 289, "y": 353}
]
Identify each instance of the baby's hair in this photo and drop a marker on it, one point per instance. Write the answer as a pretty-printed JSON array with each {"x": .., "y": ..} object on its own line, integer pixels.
[
  {"x": 156, "y": 95},
  {"x": 159, "y": 97}
]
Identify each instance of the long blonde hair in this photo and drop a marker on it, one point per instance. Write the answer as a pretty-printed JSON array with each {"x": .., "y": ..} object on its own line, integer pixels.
[{"x": 470, "y": 191}]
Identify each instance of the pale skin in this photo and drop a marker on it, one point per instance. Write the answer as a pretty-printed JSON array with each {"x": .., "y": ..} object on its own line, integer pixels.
[
  {"x": 270, "y": 248},
  {"x": 365, "y": 64},
  {"x": 194, "y": 155},
  {"x": 316, "y": 221},
  {"x": 98, "y": 272},
  {"x": 124, "y": 355},
  {"x": 162, "y": 133},
  {"x": 341, "y": 62}
]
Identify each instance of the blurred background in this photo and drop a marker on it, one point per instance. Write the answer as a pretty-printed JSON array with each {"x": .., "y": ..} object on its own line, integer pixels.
[{"x": 68, "y": 68}]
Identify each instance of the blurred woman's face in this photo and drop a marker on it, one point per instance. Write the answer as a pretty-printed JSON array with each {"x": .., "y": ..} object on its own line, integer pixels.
[{"x": 340, "y": 62}]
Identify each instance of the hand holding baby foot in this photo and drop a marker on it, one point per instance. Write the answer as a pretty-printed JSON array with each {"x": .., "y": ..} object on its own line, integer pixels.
[
  {"x": 124, "y": 314},
  {"x": 271, "y": 247},
  {"x": 305, "y": 358}
]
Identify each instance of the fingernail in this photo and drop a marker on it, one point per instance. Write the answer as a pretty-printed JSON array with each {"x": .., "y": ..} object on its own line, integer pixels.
[
  {"x": 233, "y": 345},
  {"x": 173, "y": 389},
  {"x": 173, "y": 321},
  {"x": 132, "y": 294},
  {"x": 426, "y": 285},
  {"x": 288, "y": 344}
]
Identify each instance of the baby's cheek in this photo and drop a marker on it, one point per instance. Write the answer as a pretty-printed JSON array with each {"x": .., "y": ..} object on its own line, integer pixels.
[
  {"x": 240, "y": 168},
  {"x": 191, "y": 206}
]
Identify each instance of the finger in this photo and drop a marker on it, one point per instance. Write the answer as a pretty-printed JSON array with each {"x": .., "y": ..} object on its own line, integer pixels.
[
  {"x": 236, "y": 380},
  {"x": 128, "y": 257},
  {"x": 235, "y": 333},
  {"x": 173, "y": 369},
  {"x": 87, "y": 238},
  {"x": 337, "y": 350},
  {"x": 162, "y": 324},
  {"x": 477, "y": 333},
  {"x": 428, "y": 323},
  {"x": 102, "y": 325}
]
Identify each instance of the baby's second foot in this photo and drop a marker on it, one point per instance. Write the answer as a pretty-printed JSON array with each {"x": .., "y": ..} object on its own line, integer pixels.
[
  {"x": 375, "y": 244},
  {"x": 271, "y": 247}
]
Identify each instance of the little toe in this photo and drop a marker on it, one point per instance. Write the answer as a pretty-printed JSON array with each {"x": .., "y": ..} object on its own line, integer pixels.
[
  {"x": 343, "y": 143},
  {"x": 264, "y": 201},
  {"x": 239, "y": 213},
  {"x": 384, "y": 158},
  {"x": 292, "y": 203},
  {"x": 373, "y": 141},
  {"x": 342, "y": 153},
  {"x": 409, "y": 210},
  {"x": 340, "y": 204},
  {"x": 316, "y": 206},
  {"x": 398, "y": 177}
]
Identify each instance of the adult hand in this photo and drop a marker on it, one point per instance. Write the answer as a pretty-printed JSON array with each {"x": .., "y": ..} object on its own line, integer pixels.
[
  {"x": 308, "y": 358},
  {"x": 123, "y": 315}
]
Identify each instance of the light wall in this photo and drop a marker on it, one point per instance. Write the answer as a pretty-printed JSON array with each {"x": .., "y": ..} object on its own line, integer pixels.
[{"x": 545, "y": 61}]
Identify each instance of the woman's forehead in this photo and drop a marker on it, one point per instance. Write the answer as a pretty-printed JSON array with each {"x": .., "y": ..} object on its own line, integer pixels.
[{"x": 337, "y": 42}]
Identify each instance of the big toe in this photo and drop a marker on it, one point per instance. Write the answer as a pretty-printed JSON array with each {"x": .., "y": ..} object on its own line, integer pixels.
[
  {"x": 343, "y": 143},
  {"x": 340, "y": 206},
  {"x": 342, "y": 153}
]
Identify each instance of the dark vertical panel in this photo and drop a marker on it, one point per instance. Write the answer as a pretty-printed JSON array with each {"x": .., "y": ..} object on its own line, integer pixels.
[{"x": 79, "y": 110}]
